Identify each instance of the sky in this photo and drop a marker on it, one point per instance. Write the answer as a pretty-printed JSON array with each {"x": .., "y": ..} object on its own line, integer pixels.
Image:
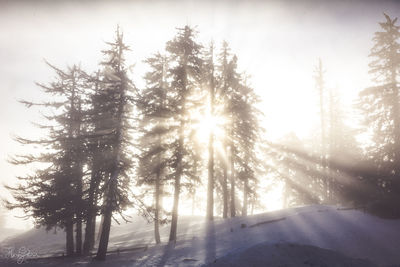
[{"x": 278, "y": 44}]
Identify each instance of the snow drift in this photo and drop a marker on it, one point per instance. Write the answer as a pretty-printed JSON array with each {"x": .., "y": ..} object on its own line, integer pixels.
[{"x": 313, "y": 236}]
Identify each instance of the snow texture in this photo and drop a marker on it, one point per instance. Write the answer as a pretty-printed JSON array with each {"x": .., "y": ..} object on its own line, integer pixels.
[{"x": 306, "y": 236}]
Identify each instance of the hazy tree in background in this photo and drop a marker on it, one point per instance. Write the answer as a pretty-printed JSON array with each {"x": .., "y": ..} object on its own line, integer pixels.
[
  {"x": 232, "y": 102},
  {"x": 210, "y": 82},
  {"x": 154, "y": 126},
  {"x": 223, "y": 84},
  {"x": 248, "y": 132},
  {"x": 320, "y": 85},
  {"x": 342, "y": 146},
  {"x": 297, "y": 172}
]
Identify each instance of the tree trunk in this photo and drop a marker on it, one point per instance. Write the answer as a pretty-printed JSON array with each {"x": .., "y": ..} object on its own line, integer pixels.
[
  {"x": 232, "y": 178},
  {"x": 245, "y": 187},
  {"x": 106, "y": 226},
  {"x": 89, "y": 233},
  {"x": 79, "y": 211},
  {"x": 225, "y": 190},
  {"x": 105, "y": 235},
  {"x": 109, "y": 204},
  {"x": 79, "y": 237},
  {"x": 69, "y": 233},
  {"x": 332, "y": 146},
  {"x": 210, "y": 188},
  {"x": 157, "y": 210},
  {"x": 225, "y": 194},
  {"x": 100, "y": 228},
  {"x": 320, "y": 87},
  {"x": 91, "y": 212},
  {"x": 174, "y": 220}
]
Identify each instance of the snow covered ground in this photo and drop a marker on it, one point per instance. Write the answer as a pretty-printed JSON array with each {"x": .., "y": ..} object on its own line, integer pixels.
[{"x": 305, "y": 236}]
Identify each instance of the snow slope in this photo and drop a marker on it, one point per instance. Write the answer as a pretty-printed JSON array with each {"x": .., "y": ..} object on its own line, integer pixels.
[{"x": 313, "y": 235}]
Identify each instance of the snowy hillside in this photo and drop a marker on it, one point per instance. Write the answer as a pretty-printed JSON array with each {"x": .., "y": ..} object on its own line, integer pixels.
[{"x": 305, "y": 236}]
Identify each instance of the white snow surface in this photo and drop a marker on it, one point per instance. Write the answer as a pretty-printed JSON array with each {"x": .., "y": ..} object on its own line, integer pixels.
[{"x": 305, "y": 236}]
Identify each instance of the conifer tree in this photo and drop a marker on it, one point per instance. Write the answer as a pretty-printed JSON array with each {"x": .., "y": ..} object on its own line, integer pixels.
[
  {"x": 320, "y": 85},
  {"x": 155, "y": 115},
  {"x": 210, "y": 83},
  {"x": 248, "y": 132},
  {"x": 115, "y": 108},
  {"x": 53, "y": 195},
  {"x": 185, "y": 75},
  {"x": 222, "y": 94},
  {"x": 380, "y": 105}
]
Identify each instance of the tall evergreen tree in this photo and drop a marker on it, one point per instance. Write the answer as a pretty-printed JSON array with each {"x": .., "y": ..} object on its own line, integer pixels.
[
  {"x": 248, "y": 132},
  {"x": 223, "y": 88},
  {"x": 185, "y": 74},
  {"x": 115, "y": 109},
  {"x": 53, "y": 195},
  {"x": 380, "y": 105},
  {"x": 210, "y": 82},
  {"x": 320, "y": 85},
  {"x": 155, "y": 115}
]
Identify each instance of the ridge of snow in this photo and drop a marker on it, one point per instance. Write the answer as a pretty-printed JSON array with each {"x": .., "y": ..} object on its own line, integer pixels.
[{"x": 349, "y": 232}]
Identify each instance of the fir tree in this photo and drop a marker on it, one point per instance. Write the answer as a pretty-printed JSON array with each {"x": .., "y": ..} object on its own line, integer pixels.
[
  {"x": 155, "y": 115},
  {"x": 185, "y": 75},
  {"x": 380, "y": 105},
  {"x": 115, "y": 109},
  {"x": 53, "y": 195}
]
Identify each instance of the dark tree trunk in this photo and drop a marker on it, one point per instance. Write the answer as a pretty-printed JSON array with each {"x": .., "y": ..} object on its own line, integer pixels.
[
  {"x": 89, "y": 233},
  {"x": 174, "y": 220},
  {"x": 105, "y": 235},
  {"x": 91, "y": 212},
  {"x": 110, "y": 201},
  {"x": 69, "y": 233},
  {"x": 79, "y": 211},
  {"x": 157, "y": 210}
]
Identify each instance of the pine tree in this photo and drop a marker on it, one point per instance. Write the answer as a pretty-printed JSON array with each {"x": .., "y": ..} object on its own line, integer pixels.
[
  {"x": 185, "y": 75},
  {"x": 380, "y": 105},
  {"x": 343, "y": 147},
  {"x": 53, "y": 195},
  {"x": 115, "y": 109},
  {"x": 98, "y": 151},
  {"x": 232, "y": 111},
  {"x": 320, "y": 85},
  {"x": 223, "y": 87},
  {"x": 154, "y": 127},
  {"x": 210, "y": 82},
  {"x": 248, "y": 132}
]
